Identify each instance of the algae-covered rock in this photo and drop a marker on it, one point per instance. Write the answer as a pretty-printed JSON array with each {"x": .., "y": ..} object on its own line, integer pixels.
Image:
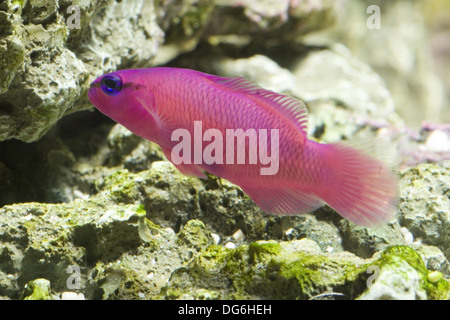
[
  {"x": 194, "y": 234},
  {"x": 424, "y": 203},
  {"x": 122, "y": 255},
  {"x": 260, "y": 270},
  {"x": 45, "y": 239},
  {"x": 400, "y": 274},
  {"x": 38, "y": 289},
  {"x": 46, "y": 71},
  {"x": 297, "y": 270}
]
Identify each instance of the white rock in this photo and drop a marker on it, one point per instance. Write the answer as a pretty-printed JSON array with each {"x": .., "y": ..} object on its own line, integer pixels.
[
  {"x": 216, "y": 238},
  {"x": 230, "y": 245},
  {"x": 239, "y": 235},
  {"x": 289, "y": 231},
  {"x": 438, "y": 141},
  {"x": 69, "y": 295},
  {"x": 407, "y": 235}
]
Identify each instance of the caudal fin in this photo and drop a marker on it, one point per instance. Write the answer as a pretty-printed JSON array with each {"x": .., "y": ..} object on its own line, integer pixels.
[{"x": 360, "y": 187}]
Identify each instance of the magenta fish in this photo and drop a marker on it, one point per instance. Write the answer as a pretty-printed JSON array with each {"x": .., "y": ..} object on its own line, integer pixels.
[{"x": 252, "y": 137}]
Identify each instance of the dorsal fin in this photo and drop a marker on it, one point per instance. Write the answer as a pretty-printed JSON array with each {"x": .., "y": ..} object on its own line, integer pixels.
[{"x": 290, "y": 107}]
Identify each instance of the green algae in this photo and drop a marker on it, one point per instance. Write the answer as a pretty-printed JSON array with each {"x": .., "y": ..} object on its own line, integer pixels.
[
  {"x": 18, "y": 2},
  {"x": 263, "y": 250}
]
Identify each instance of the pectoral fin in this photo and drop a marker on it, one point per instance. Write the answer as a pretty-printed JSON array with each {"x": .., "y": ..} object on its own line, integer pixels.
[{"x": 186, "y": 169}]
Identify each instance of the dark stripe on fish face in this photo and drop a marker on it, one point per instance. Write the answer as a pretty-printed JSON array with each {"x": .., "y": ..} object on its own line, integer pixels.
[{"x": 131, "y": 85}]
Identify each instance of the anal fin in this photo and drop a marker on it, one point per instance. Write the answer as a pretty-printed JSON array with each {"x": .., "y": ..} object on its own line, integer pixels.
[{"x": 284, "y": 201}]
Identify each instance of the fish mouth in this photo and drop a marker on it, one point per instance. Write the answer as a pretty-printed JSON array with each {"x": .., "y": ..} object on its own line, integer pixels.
[{"x": 95, "y": 84}]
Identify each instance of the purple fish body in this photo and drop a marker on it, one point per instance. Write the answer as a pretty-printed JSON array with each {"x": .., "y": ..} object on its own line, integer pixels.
[{"x": 252, "y": 137}]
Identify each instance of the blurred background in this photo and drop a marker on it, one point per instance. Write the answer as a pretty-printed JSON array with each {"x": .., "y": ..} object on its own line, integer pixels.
[{"x": 411, "y": 52}]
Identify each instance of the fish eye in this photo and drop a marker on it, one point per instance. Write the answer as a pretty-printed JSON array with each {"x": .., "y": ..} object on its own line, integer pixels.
[{"x": 111, "y": 84}]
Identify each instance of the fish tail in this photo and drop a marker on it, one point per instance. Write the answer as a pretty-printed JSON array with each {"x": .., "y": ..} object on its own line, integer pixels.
[{"x": 359, "y": 186}]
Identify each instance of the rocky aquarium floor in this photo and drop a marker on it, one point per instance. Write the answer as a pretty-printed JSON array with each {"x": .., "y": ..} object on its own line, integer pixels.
[{"x": 90, "y": 211}]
